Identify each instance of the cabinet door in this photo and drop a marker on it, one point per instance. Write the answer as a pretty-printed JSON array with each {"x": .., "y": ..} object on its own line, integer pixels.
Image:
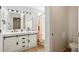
[
  {"x": 32, "y": 41},
  {"x": 10, "y": 44},
  {"x": 22, "y": 42}
]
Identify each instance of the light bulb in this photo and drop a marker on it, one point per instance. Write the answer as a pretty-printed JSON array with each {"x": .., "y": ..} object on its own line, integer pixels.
[
  {"x": 14, "y": 10},
  {"x": 9, "y": 10}
]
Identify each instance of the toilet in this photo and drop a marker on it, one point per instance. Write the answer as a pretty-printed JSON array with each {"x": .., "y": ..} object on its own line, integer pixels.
[{"x": 73, "y": 46}]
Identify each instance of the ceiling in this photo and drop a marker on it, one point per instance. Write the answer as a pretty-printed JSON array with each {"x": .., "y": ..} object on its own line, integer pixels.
[{"x": 41, "y": 8}]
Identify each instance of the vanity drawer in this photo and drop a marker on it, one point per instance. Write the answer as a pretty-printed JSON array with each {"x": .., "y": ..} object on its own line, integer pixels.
[
  {"x": 23, "y": 37},
  {"x": 23, "y": 42}
]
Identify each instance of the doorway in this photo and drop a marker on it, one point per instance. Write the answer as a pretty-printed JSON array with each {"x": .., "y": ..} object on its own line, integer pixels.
[{"x": 58, "y": 26}]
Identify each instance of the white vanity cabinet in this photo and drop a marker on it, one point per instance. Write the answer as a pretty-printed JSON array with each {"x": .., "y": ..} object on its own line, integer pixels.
[
  {"x": 22, "y": 42},
  {"x": 19, "y": 42},
  {"x": 32, "y": 40},
  {"x": 10, "y": 44}
]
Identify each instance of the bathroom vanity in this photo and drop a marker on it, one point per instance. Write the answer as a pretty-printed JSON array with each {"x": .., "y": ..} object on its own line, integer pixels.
[
  {"x": 18, "y": 31},
  {"x": 19, "y": 41}
]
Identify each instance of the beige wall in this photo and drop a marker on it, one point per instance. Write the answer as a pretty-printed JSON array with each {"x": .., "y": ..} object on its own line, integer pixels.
[
  {"x": 73, "y": 24},
  {"x": 64, "y": 26},
  {"x": 59, "y": 27}
]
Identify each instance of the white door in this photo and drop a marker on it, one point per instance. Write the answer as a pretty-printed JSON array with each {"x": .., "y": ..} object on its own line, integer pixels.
[
  {"x": 10, "y": 44},
  {"x": 32, "y": 41},
  {"x": 58, "y": 30}
]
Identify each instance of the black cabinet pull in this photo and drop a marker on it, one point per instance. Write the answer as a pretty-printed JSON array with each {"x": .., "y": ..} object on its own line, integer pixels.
[
  {"x": 16, "y": 43},
  {"x": 23, "y": 46},
  {"x": 0, "y": 30},
  {"x": 23, "y": 42}
]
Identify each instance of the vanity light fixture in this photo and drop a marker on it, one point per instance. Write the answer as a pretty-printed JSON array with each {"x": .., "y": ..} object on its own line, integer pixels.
[
  {"x": 17, "y": 11},
  {"x": 23, "y": 11},
  {"x": 12, "y": 10},
  {"x": 29, "y": 13},
  {"x": 9, "y": 10},
  {"x": 26, "y": 12}
]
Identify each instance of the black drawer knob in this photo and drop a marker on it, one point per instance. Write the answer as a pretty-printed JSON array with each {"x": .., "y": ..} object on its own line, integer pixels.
[{"x": 16, "y": 43}]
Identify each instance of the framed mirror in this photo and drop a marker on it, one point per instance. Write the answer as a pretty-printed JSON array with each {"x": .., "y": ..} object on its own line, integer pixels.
[{"x": 14, "y": 21}]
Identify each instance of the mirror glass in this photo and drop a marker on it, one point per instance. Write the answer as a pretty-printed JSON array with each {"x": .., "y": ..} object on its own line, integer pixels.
[
  {"x": 16, "y": 23},
  {"x": 28, "y": 23}
]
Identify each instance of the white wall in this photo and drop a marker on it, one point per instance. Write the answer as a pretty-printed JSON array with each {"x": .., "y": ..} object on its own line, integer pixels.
[
  {"x": 47, "y": 29},
  {"x": 42, "y": 24},
  {"x": 1, "y": 41},
  {"x": 73, "y": 24}
]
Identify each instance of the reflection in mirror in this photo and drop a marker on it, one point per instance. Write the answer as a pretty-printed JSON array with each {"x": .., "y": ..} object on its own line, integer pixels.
[
  {"x": 28, "y": 23},
  {"x": 16, "y": 23}
]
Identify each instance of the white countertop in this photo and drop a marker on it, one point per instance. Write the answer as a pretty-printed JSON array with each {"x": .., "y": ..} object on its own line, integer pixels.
[{"x": 18, "y": 33}]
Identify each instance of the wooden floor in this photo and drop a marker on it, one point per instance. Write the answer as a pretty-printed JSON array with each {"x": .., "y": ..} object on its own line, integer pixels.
[
  {"x": 41, "y": 49},
  {"x": 35, "y": 49},
  {"x": 67, "y": 50}
]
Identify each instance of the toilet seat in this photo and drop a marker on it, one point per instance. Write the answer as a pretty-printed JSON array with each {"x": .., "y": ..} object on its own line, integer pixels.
[{"x": 73, "y": 46}]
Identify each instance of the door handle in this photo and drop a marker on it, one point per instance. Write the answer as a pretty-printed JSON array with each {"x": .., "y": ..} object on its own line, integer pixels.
[{"x": 52, "y": 34}]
